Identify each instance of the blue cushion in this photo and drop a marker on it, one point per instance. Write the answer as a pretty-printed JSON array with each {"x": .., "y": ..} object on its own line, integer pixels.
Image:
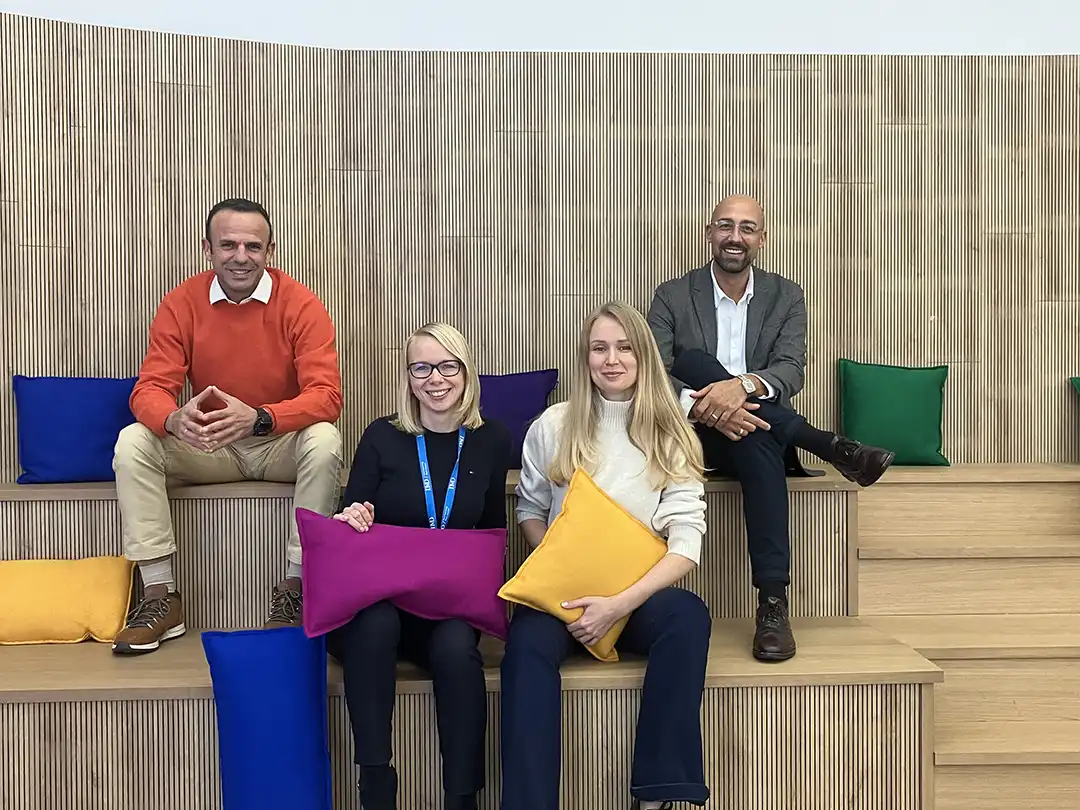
[
  {"x": 270, "y": 694},
  {"x": 516, "y": 400},
  {"x": 67, "y": 426}
]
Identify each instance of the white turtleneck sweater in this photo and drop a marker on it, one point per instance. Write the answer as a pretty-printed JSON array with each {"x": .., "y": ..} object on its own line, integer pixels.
[{"x": 676, "y": 512}]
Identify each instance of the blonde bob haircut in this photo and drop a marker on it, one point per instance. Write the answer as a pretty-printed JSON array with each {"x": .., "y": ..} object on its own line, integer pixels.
[
  {"x": 658, "y": 427},
  {"x": 468, "y": 409}
]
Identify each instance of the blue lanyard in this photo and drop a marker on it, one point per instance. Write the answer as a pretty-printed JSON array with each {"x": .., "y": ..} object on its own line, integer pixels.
[{"x": 451, "y": 486}]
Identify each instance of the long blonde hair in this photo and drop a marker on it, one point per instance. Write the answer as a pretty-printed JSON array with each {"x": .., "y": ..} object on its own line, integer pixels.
[
  {"x": 468, "y": 409},
  {"x": 658, "y": 427}
]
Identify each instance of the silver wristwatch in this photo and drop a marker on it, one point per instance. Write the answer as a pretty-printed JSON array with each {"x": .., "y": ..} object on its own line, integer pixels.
[{"x": 747, "y": 384}]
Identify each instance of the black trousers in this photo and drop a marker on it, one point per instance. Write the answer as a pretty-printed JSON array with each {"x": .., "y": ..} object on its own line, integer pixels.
[
  {"x": 368, "y": 648},
  {"x": 672, "y": 628},
  {"x": 757, "y": 461}
]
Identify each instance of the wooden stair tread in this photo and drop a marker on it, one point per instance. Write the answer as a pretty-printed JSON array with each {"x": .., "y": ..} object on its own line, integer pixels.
[
  {"x": 983, "y": 474},
  {"x": 1008, "y": 743},
  {"x": 832, "y": 651},
  {"x": 106, "y": 490},
  {"x": 899, "y": 547},
  {"x": 942, "y": 638}
]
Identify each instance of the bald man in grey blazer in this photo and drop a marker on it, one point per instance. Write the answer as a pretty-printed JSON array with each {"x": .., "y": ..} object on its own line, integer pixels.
[{"x": 733, "y": 338}]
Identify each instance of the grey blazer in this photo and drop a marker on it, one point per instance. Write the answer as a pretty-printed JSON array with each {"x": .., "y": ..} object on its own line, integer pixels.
[{"x": 683, "y": 316}]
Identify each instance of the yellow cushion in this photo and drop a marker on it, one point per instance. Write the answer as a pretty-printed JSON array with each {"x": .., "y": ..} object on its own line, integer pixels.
[
  {"x": 63, "y": 601},
  {"x": 594, "y": 547}
]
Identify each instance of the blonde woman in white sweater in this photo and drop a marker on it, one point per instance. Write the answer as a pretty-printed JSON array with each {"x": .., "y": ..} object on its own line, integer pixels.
[{"x": 624, "y": 427}]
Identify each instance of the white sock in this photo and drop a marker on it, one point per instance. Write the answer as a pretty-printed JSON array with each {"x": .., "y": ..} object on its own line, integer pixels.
[
  {"x": 158, "y": 572},
  {"x": 293, "y": 570}
]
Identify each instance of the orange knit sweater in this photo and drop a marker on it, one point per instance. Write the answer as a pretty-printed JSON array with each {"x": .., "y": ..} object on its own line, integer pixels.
[{"x": 279, "y": 356}]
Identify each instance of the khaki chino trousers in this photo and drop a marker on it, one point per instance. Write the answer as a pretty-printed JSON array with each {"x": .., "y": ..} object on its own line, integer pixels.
[{"x": 147, "y": 465}]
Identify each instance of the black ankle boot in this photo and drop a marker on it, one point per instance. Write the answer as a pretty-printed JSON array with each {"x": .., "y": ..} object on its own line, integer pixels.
[
  {"x": 378, "y": 788},
  {"x": 460, "y": 802}
]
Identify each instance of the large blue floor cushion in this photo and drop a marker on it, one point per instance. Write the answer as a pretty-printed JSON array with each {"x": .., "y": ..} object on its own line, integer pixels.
[{"x": 270, "y": 695}]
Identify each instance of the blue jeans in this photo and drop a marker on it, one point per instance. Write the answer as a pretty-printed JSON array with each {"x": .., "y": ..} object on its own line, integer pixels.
[{"x": 672, "y": 629}]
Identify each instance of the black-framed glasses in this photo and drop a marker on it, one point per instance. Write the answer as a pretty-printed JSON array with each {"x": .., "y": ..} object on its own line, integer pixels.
[{"x": 447, "y": 368}]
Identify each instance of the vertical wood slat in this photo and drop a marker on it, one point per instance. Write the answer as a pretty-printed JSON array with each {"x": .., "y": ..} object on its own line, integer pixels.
[
  {"x": 231, "y": 551},
  {"x": 510, "y": 193},
  {"x": 820, "y": 544},
  {"x": 825, "y": 748}
]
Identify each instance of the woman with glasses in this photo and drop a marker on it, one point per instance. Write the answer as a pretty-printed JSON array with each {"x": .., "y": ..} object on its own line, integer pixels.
[{"x": 434, "y": 463}]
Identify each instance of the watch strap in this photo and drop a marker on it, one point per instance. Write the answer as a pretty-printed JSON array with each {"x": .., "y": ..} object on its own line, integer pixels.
[{"x": 264, "y": 422}]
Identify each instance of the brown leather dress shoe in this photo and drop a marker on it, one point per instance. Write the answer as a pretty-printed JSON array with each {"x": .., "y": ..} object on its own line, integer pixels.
[
  {"x": 773, "y": 640},
  {"x": 862, "y": 463}
]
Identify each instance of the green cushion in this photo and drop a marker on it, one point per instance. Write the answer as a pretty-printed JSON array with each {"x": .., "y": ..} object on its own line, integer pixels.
[
  {"x": 1076, "y": 383},
  {"x": 895, "y": 407}
]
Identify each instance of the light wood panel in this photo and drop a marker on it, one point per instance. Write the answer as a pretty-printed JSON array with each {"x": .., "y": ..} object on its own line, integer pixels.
[
  {"x": 231, "y": 545},
  {"x": 1028, "y": 742},
  {"x": 1037, "y": 690},
  {"x": 968, "y": 586},
  {"x": 512, "y": 192},
  {"x": 820, "y": 582},
  {"x": 968, "y": 511},
  {"x": 230, "y": 551},
  {"x": 833, "y": 652},
  {"x": 956, "y": 638},
  {"x": 1007, "y": 787},
  {"x": 825, "y": 747},
  {"x": 983, "y": 474},
  {"x": 950, "y": 547},
  {"x": 831, "y": 481}
]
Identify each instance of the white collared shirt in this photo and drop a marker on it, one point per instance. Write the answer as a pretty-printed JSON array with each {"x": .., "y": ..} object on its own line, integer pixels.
[
  {"x": 730, "y": 336},
  {"x": 261, "y": 292}
]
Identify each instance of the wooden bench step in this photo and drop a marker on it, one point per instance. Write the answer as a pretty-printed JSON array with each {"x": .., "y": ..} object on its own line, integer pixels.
[
  {"x": 965, "y": 637},
  {"x": 832, "y": 652},
  {"x": 831, "y": 481},
  {"x": 946, "y": 547},
  {"x": 983, "y": 474}
]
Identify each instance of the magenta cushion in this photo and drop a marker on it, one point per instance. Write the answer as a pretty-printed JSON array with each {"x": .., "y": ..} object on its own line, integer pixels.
[{"x": 431, "y": 573}]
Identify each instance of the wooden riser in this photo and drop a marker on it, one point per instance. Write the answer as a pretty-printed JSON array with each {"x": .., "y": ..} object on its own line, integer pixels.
[
  {"x": 969, "y": 509},
  {"x": 967, "y": 586},
  {"x": 1007, "y": 787},
  {"x": 232, "y": 550},
  {"x": 827, "y": 748},
  {"x": 1039, "y": 690}
]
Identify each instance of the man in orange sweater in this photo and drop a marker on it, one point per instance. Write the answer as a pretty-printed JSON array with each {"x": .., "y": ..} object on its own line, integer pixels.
[{"x": 258, "y": 348}]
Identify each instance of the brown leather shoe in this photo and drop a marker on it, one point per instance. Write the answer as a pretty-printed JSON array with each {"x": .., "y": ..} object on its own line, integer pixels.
[
  {"x": 862, "y": 463},
  {"x": 286, "y": 605},
  {"x": 773, "y": 640},
  {"x": 157, "y": 618}
]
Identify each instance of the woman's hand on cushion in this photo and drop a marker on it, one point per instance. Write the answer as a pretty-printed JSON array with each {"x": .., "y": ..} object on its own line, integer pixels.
[
  {"x": 601, "y": 613},
  {"x": 359, "y": 515}
]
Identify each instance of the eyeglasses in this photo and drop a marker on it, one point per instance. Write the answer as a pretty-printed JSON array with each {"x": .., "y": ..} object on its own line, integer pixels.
[
  {"x": 726, "y": 227},
  {"x": 447, "y": 368}
]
